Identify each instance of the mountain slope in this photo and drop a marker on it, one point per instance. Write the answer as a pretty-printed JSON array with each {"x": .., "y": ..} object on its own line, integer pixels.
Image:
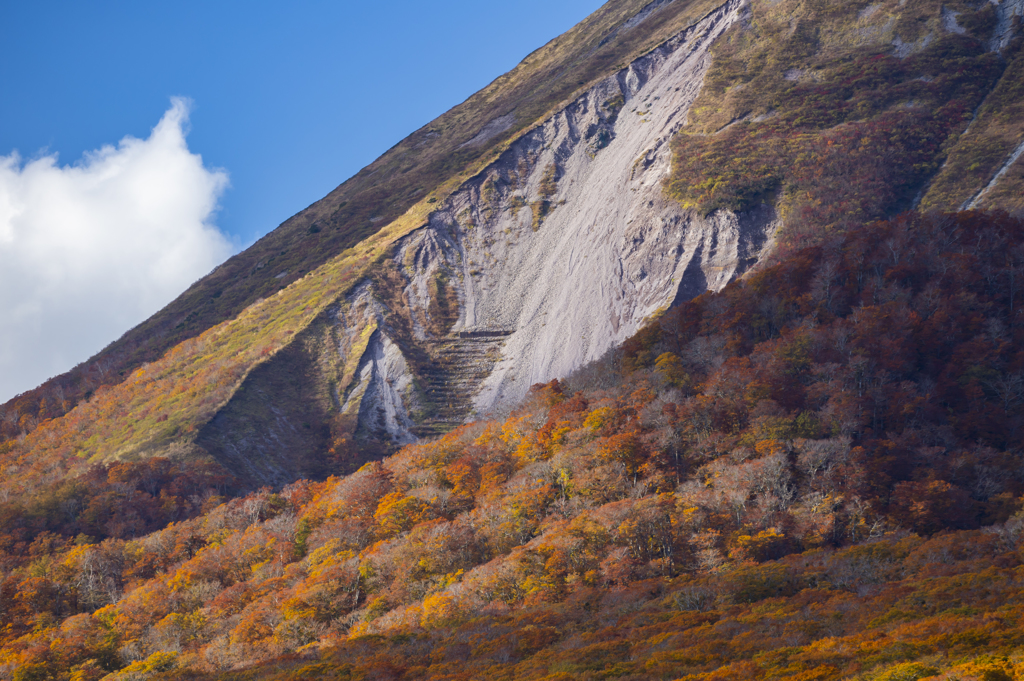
[
  {"x": 839, "y": 113},
  {"x": 763, "y": 459},
  {"x": 552, "y": 241},
  {"x": 469, "y": 311},
  {"x": 424, "y": 165}
]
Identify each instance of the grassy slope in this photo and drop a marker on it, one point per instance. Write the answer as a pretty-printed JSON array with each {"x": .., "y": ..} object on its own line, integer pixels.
[
  {"x": 807, "y": 106},
  {"x": 425, "y": 165}
]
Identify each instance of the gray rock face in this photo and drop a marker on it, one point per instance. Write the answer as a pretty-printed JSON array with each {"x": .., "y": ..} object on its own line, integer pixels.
[
  {"x": 383, "y": 381},
  {"x": 559, "y": 250},
  {"x": 1006, "y": 11}
]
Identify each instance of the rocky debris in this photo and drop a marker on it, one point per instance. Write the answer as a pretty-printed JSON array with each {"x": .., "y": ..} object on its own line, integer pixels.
[
  {"x": 609, "y": 250},
  {"x": 381, "y": 391},
  {"x": 462, "y": 361}
]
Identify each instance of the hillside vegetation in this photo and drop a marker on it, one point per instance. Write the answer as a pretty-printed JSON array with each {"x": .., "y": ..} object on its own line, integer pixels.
[
  {"x": 995, "y": 132},
  {"x": 785, "y": 479}
]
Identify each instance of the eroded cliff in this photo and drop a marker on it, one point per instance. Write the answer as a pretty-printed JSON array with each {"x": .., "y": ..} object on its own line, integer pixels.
[{"x": 554, "y": 253}]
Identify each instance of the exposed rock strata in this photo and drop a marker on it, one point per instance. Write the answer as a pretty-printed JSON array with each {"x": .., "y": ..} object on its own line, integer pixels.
[{"x": 566, "y": 245}]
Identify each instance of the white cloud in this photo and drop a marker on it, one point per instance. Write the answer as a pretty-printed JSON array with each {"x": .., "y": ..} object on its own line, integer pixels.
[{"x": 87, "y": 251}]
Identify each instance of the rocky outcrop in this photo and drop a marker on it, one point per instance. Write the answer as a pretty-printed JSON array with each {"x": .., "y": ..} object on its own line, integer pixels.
[
  {"x": 381, "y": 391},
  {"x": 559, "y": 250}
]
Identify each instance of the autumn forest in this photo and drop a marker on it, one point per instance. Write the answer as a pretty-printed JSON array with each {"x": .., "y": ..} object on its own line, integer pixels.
[{"x": 812, "y": 474}]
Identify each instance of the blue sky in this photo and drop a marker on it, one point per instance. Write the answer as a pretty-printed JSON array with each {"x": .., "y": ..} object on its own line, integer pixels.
[
  {"x": 290, "y": 98},
  {"x": 141, "y": 143}
]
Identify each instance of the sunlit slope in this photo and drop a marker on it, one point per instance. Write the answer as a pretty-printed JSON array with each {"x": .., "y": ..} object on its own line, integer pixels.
[
  {"x": 984, "y": 169},
  {"x": 416, "y": 169},
  {"x": 843, "y": 120}
]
